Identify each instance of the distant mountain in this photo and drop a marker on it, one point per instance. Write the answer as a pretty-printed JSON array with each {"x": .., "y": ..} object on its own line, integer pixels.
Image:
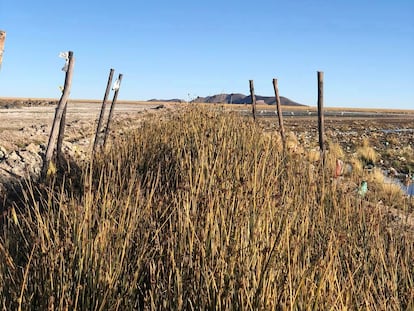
[
  {"x": 243, "y": 99},
  {"x": 174, "y": 100},
  {"x": 236, "y": 98}
]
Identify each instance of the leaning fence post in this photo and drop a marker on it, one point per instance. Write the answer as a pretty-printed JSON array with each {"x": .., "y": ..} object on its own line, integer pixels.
[
  {"x": 116, "y": 87},
  {"x": 108, "y": 89},
  {"x": 253, "y": 99},
  {"x": 2, "y": 41},
  {"x": 321, "y": 121},
  {"x": 61, "y": 132},
  {"x": 279, "y": 112},
  {"x": 70, "y": 62}
]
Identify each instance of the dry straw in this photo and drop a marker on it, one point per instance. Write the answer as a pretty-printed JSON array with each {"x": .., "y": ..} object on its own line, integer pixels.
[{"x": 202, "y": 211}]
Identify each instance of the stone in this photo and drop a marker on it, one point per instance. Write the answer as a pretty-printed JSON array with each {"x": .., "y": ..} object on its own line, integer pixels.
[
  {"x": 33, "y": 148},
  {"x": 3, "y": 153}
]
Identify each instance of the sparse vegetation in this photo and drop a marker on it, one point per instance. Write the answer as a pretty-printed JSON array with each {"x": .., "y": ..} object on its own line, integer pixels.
[
  {"x": 202, "y": 211},
  {"x": 367, "y": 154}
]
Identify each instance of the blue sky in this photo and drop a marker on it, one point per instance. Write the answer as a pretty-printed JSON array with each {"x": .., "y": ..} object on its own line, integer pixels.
[{"x": 169, "y": 49}]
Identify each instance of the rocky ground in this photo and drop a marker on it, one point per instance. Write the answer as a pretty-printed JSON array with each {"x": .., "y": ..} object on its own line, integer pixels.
[{"x": 392, "y": 138}]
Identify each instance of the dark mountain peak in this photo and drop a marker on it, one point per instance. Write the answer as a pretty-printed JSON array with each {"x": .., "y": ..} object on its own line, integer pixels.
[{"x": 235, "y": 98}]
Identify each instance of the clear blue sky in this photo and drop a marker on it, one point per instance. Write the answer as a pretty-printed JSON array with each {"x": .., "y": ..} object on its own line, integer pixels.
[{"x": 169, "y": 49}]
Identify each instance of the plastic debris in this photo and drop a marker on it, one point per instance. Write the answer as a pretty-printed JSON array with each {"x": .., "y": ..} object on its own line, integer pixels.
[
  {"x": 65, "y": 55},
  {"x": 116, "y": 86},
  {"x": 2, "y": 40},
  {"x": 51, "y": 171},
  {"x": 362, "y": 191},
  {"x": 393, "y": 172},
  {"x": 347, "y": 170},
  {"x": 339, "y": 170}
]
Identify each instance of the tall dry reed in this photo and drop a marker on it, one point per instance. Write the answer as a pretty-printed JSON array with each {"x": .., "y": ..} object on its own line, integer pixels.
[{"x": 202, "y": 211}]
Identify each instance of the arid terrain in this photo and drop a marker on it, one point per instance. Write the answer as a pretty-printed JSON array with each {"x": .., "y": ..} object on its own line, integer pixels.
[
  {"x": 21, "y": 125},
  {"x": 25, "y": 124}
]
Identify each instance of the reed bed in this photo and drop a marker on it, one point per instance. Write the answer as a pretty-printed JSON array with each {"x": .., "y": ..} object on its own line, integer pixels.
[{"x": 201, "y": 210}]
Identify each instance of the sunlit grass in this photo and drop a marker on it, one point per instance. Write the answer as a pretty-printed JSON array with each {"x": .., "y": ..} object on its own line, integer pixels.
[
  {"x": 367, "y": 154},
  {"x": 202, "y": 211}
]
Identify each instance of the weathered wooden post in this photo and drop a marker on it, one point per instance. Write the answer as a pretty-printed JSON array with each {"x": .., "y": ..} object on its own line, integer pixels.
[
  {"x": 116, "y": 87},
  {"x": 70, "y": 62},
  {"x": 98, "y": 128},
  {"x": 253, "y": 99},
  {"x": 279, "y": 113},
  {"x": 321, "y": 122},
  {"x": 61, "y": 133},
  {"x": 2, "y": 41}
]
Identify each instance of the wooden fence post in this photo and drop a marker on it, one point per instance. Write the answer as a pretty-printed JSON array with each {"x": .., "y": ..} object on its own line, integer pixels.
[
  {"x": 61, "y": 132},
  {"x": 253, "y": 99},
  {"x": 279, "y": 113},
  {"x": 2, "y": 41},
  {"x": 116, "y": 87},
  {"x": 58, "y": 114},
  {"x": 98, "y": 128},
  {"x": 321, "y": 122}
]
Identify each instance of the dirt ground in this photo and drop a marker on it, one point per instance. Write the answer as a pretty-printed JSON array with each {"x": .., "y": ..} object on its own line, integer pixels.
[{"x": 22, "y": 126}]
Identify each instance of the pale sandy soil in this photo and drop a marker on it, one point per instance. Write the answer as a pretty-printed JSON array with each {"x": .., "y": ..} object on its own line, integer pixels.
[{"x": 20, "y": 127}]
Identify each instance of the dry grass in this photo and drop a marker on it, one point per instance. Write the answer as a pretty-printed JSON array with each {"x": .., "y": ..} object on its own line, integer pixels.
[
  {"x": 383, "y": 189},
  {"x": 201, "y": 211},
  {"x": 392, "y": 192},
  {"x": 357, "y": 167},
  {"x": 314, "y": 156},
  {"x": 366, "y": 153}
]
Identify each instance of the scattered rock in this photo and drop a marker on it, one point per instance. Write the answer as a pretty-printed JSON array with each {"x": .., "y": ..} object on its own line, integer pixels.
[
  {"x": 32, "y": 148},
  {"x": 402, "y": 159},
  {"x": 13, "y": 157},
  {"x": 3, "y": 153},
  {"x": 20, "y": 164},
  {"x": 393, "y": 172}
]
